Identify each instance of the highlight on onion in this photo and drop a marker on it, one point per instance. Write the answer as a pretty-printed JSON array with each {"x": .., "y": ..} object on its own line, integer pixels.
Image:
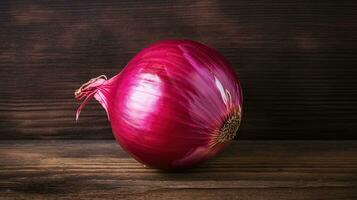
[{"x": 177, "y": 103}]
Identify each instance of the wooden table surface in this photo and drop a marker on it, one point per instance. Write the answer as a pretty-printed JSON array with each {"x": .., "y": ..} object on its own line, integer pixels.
[{"x": 75, "y": 169}]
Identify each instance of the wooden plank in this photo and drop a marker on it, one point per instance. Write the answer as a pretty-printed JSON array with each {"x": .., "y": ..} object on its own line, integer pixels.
[
  {"x": 88, "y": 169},
  {"x": 296, "y": 60}
]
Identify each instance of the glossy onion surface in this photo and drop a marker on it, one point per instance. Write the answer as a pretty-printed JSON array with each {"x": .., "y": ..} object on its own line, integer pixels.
[{"x": 176, "y": 103}]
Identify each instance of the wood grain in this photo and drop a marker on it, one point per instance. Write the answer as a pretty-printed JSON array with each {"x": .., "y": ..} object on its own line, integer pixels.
[
  {"x": 245, "y": 170},
  {"x": 296, "y": 61}
]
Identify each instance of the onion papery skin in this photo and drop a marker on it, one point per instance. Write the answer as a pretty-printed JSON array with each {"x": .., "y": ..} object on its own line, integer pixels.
[{"x": 177, "y": 103}]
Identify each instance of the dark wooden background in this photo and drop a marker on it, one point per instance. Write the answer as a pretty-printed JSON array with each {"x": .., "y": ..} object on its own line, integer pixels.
[{"x": 296, "y": 59}]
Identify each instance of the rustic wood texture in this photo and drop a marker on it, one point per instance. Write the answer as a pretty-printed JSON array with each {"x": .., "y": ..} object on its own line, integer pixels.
[
  {"x": 296, "y": 61},
  {"x": 270, "y": 170}
]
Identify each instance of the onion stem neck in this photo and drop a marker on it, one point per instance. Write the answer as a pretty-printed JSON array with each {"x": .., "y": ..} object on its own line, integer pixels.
[
  {"x": 79, "y": 92},
  {"x": 89, "y": 90}
]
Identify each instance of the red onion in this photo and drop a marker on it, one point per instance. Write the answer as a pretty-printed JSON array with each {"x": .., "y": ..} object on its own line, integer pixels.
[{"x": 176, "y": 103}]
